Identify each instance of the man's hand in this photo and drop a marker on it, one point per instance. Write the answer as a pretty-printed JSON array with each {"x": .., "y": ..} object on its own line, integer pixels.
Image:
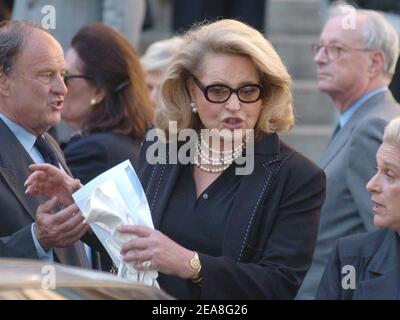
[
  {"x": 47, "y": 180},
  {"x": 58, "y": 229}
]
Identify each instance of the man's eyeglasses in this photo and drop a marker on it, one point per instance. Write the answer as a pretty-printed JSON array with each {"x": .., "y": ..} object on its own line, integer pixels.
[
  {"x": 79, "y": 76},
  {"x": 332, "y": 51},
  {"x": 220, "y": 93}
]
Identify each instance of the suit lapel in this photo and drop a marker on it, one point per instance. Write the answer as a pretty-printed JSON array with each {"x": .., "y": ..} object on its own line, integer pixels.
[
  {"x": 247, "y": 203},
  {"x": 163, "y": 187},
  {"x": 336, "y": 144},
  {"x": 14, "y": 165},
  {"x": 246, "y": 206},
  {"x": 344, "y": 134},
  {"x": 15, "y": 181}
]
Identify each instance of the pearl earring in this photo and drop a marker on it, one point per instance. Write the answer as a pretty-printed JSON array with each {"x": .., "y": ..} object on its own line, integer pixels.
[
  {"x": 193, "y": 105},
  {"x": 93, "y": 102}
]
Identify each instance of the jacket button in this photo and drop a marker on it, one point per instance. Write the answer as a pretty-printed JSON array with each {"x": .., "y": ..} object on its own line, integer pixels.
[{"x": 205, "y": 196}]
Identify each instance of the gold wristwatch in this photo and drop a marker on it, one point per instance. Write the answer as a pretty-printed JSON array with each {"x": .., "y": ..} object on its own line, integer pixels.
[{"x": 195, "y": 264}]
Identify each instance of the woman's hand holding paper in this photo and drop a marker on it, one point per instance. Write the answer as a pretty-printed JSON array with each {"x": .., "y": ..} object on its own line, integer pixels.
[{"x": 152, "y": 246}]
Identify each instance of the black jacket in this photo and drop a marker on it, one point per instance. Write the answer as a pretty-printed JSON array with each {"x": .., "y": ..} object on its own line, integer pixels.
[
  {"x": 272, "y": 229},
  {"x": 374, "y": 260},
  {"x": 88, "y": 156}
]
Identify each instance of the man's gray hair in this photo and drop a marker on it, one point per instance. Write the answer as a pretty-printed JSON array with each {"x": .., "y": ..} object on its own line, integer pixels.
[
  {"x": 12, "y": 39},
  {"x": 378, "y": 34}
]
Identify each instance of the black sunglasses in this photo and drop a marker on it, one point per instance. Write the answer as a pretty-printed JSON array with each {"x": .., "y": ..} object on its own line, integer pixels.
[{"x": 220, "y": 93}]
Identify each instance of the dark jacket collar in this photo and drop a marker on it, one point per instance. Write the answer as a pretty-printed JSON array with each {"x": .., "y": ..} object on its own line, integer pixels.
[
  {"x": 269, "y": 144},
  {"x": 387, "y": 257},
  {"x": 14, "y": 167},
  {"x": 384, "y": 271},
  {"x": 14, "y": 163}
]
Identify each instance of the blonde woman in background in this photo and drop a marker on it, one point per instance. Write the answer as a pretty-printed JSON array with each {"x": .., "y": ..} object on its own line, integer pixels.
[{"x": 156, "y": 60}]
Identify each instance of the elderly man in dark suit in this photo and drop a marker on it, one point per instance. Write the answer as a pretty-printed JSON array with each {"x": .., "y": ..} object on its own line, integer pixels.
[
  {"x": 356, "y": 57},
  {"x": 32, "y": 91}
]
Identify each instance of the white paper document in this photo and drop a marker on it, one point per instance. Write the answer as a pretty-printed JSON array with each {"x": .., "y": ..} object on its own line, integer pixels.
[{"x": 110, "y": 200}]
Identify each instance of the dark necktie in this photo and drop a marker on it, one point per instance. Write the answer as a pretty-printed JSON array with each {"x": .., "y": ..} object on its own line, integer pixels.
[
  {"x": 338, "y": 127},
  {"x": 46, "y": 151}
]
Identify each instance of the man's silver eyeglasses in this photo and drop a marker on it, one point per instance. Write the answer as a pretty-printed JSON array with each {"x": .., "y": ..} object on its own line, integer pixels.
[
  {"x": 331, "y": 50},
  {"x": 220, "y": 93}
]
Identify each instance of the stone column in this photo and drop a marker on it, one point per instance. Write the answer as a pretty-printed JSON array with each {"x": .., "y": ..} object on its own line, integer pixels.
[{"x": 126, "y": 16}]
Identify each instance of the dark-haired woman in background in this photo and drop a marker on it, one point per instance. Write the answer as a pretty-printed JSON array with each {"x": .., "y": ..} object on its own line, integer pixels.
[{"x": 107, "y": 101}]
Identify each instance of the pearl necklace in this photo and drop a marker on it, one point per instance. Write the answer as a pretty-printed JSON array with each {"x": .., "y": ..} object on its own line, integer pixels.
[
  {"x": 218, "y": 164},
  {"x": 207, "y": 169},
  {"x": 235, "y": 150}
]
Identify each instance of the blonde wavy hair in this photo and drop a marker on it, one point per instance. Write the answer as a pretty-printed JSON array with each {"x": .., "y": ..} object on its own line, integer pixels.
[{"x": 226, "y": 37}]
